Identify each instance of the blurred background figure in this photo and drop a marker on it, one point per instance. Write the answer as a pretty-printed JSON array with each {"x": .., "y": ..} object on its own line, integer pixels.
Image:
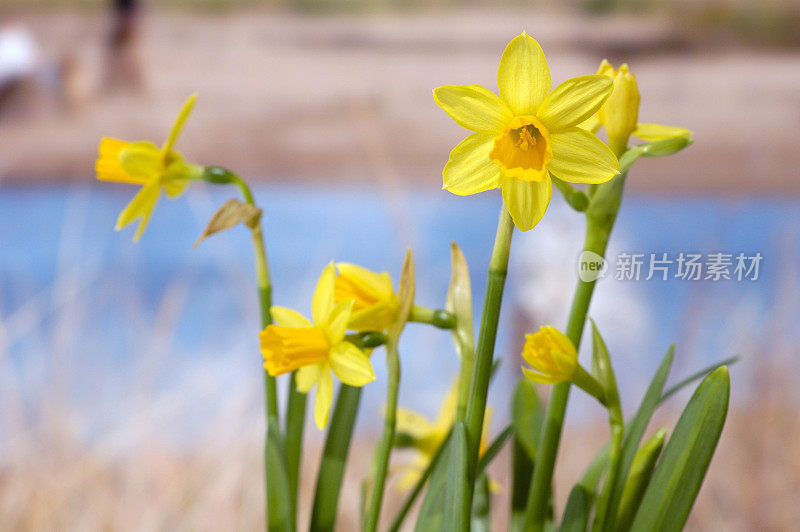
[
  {"x": 19, "y": 60},
  {"x": 123, "y": 69}
]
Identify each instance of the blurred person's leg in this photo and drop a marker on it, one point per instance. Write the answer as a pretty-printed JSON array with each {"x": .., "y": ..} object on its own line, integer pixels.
[{"x": 124, "y": 70}]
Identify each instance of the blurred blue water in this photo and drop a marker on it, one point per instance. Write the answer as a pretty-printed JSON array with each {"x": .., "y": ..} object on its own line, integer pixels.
[{"x": 84, "y": 308}]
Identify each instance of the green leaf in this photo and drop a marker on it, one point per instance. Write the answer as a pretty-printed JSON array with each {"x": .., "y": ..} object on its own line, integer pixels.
[
  {"x": 334, "y": 458},
  {"x": 636, "y": 428},
  {"x": 494, "y": 448},
  {"x": 527, "y": 417},
  {"x": 431, "y": 513},
  {"x": 661, "y": 148},
  {"x": 481, "y": 505},
  {"x": 679, "y": 474},
  {"x": 522, "y": 471},
  {"x": 456, "y": 506},
  {"x": 278, "y": 502},
  {"x": 604, "y": 372},
  {"x": 401, "y": 514},
  {"x": 576, "y": 513},
  {"x": 696, "y": 375},
  {"x": 641, "y": 470}
]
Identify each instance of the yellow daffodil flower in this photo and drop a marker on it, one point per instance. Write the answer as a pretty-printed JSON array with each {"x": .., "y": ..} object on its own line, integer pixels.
[
  {"x": 551, "y": 354},
  {"x": 314, "y": 350},
  {"x": 619, "y": 115},
  {"x": 526, "y": 135},
  {"x": 375, "y": 304},
  {"x": 428, "y": 435},
  {"x": 143, "y": 163}
]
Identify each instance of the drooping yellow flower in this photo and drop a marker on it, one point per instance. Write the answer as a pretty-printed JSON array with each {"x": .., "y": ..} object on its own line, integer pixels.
[
  {"x": 526, "y": 135},
  {"x": 315, "y": 349},
  {"x": 551, "y": 354},
  {"x": 143, "y": 163},
  {"x": 619, "y": 115},
  {"x": 375, "y": 304},
  {"x": 427, "y": 435}
]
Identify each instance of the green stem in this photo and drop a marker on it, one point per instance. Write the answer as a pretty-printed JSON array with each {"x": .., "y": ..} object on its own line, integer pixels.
[
  {"x": 265, "y": 302},
  {"x": 295, "y": 422},
  {"x": 600, "y": 218},
  {"x": 438, "y": 318},
  {"x": 484, "y": 352},
  {"x": 383, "y": 452}
]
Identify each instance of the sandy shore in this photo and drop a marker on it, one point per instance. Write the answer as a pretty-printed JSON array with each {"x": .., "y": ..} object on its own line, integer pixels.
[{"x": 333, "y": 98}]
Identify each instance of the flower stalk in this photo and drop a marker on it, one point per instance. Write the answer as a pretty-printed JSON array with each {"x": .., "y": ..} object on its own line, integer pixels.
[
  {"x": 484, "y": 352},
  {"x": 600, "y": 218}
]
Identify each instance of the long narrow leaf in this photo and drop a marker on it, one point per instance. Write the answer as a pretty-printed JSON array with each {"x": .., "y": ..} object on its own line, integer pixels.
[
  {"x": 638, "y": 480},
  {"x": 278, "y": 502},
  {"x": 334, "y": 458},
  {"x": 494, "y": 448},
  {"x": 417, "y": 489},
  {"x": 696, "y": 375},
  {"x": 679, "y": 474},
  {"x": 527, "y": 416},
  {"x": 576, "y": 513},
  {"x": 481, "y": 520},
  {"x": 456, "y": 511},
  {"x": 636, "y": 428}
]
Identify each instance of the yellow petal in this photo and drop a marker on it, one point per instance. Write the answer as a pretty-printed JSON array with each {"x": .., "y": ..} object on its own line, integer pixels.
[
  {"x": 142, "y": 160},
  {"x": 526, "y": 201},
  {"x": 473, "y": 107},
  {"x": 414, "y": 424},
  {"x": 351, "y": 365},
  {"x": 591, "y": 124},
  {"x": 448, "y": 409},
  {"x": 108, "y": 167},
  {"x": 183, "y": 115},
  {"x": 580, "y": 157},
  {"x": 140, "y": 207},
  {"x": 378, "y": 317},
  {"x": 469, "y": 169},
  {"x": 365, "y": 287},
  {"x": 541, "y": 378},
  {"x": 656, "y": 132},
  {"x": 523, "y": 76},
  {"x": 307, "y": 376},
  {"x": 322, "y": 302},
  {"x": 336, "y": 324},
  {"x": 286, "y": 349},
  {"x": 286, "y": 317},
  {"x": 324, "y": 399},
  {"x": 560, "y": 339},
  {"x": 574, "y": 101}
]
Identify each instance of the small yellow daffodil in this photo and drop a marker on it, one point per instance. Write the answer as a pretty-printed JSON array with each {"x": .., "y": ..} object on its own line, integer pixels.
[
  {"x": 551, "y": 354},
  {"x": 143, "y": 163},
  {"x": 527, "y": 135},
  {"x": 427, "y": 435},
  {"x": 375, "y": 306},
  {"x": 619, "y": 115},
  {"x": 315, "y": 349}
]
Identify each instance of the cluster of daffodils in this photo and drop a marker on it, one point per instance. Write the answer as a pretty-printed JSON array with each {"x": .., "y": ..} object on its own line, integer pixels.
[
  {"x": 526, "y": 138},
  {"x": 358, "y": 300}
]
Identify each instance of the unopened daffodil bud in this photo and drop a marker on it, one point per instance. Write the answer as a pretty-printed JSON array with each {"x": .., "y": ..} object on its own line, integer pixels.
[
  {"x": 554, "y": 360},
  {"x": 375, "y": 306},
  {"x": 551, "y": 354},
  {"x": 143, "y": 163},
  {"x": 620, "y": 113}
]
